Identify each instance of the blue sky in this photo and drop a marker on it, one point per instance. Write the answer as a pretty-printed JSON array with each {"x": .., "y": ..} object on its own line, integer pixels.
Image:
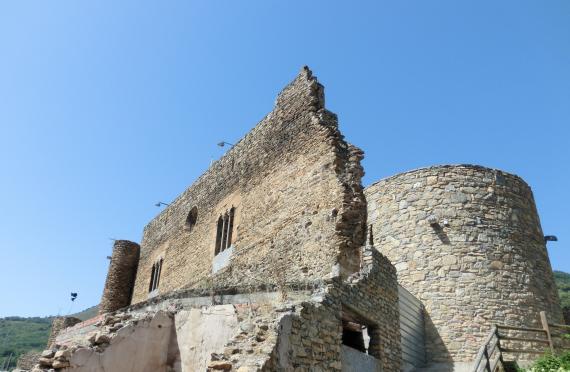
[{"x": 107, "y": 107}]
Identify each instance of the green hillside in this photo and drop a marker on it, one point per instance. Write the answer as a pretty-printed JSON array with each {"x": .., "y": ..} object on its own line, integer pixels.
[
  {"x": 20, "y": 335},
  {"x": 87, "y": 313},
  {"x": 563, "y": 284}
]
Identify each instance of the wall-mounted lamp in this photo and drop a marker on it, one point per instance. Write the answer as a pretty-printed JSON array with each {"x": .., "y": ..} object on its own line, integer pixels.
[
  {"x": 161, "y": 203},
  {"x": 223, "y": 143},
  {"x": 550, "y": 238},
  {"x": 432, "y": 220}
]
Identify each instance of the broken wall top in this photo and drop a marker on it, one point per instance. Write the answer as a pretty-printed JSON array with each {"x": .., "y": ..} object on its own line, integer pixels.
[{"x": 300, "y": 211}]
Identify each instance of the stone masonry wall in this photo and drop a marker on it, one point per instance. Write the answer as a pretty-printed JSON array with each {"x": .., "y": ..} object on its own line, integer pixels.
[
  {"x": 59, "y": 324},
  {"x": 484, "y": 260},
  {"x": 294, "y": 329},
  {"x": 121, "y": 276},
  {"x": 309, "y": 333},
  {"x": 300, "y": 207}
]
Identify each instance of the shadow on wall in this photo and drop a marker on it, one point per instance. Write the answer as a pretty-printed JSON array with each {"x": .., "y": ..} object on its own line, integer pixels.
[
  {"x": 436, "y": 346},
  {"x": 441, "y": 234}
]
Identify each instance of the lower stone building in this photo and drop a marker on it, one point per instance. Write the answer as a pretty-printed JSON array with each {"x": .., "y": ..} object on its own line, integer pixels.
[{"x": 277, "y": 259}]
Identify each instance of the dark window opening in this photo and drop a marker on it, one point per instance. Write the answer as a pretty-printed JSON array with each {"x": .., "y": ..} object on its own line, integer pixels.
[
  {"x": 155, "y": 275},
  {"x": 353, "y": 336},
  {"x": 151, "y": 278},
  {"x": 360, "y": 334},
  {"x": 191, "y": 219},
  {"x": 230, "y": 227},
  {"x": 219, "y": 235},
  {"x": 224, "y": 232},
  {"x": 159, "y": 272}
]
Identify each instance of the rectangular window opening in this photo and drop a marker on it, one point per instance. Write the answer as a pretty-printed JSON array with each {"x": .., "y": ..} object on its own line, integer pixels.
[{"x": 360, "y": 334}]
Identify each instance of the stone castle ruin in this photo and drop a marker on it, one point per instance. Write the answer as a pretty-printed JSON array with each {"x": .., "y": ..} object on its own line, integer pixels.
[{"x": 277, "y": 259}]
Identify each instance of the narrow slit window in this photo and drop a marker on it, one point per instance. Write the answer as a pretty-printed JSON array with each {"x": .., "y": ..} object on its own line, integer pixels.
[
  {"x": 151, "y": 284},
  {"x": 225, "y": 233},
  {"x": 230, "y": 227},
  {"x": 219, "y": 235},
  {"x": 158, "y": 274}
]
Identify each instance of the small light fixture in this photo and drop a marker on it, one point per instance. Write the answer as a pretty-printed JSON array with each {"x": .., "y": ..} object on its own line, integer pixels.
[
  {"x": 550, "y": 238},
  {"x": 432, "y": 219},
  {"x": 223, "y": 143},
  {"x": 161, "y": 203}
]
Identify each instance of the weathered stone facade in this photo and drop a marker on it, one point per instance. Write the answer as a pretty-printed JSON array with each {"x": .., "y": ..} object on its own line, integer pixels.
[
  {"x": 121, "y": 276},
  {"x": 292, "y": 330},
  {"x": 467, "y": 241},
  {"x": 262, "y": 264},
  {"x": 300, "y": 210},
  {"x": 566, "y": 312}
]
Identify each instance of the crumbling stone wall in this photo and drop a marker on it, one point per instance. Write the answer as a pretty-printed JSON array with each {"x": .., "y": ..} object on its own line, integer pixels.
[
  {"x": 466, "y": 241},
  {"x": 566, "y": 311},
  {"x": 294, "y": 329},
  {"x": 300, "y": 207},
  {"x": 121, "y": 276},
  {"x": 59, "y": 324},
  {"x": 307, "y": 335}
]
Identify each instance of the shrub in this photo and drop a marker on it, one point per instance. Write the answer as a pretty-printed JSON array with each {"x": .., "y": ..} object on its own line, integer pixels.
[{"x": 552, "y": 363}]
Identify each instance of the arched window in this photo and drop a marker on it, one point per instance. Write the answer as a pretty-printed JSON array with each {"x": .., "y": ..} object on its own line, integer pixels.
[
  {"x": 155, "y": 275},
  {"x": 191, "y": 219},
  {"x": 224, "y": 231}
]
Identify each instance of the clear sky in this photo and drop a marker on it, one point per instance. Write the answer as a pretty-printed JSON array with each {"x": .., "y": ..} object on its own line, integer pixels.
[{"x": 107, "y": 107}]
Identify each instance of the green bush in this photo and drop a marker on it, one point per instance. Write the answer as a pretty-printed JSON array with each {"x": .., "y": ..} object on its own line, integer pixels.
[{"x": 551, "y": 363}]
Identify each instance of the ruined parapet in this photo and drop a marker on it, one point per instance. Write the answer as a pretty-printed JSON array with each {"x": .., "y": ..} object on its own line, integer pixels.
[
  {"x": 57, "y": 325},
  {"x": 467, "y": 241},
  {"x": 121, "y": 276},
  {"x": 249, "y": 329},
  {"x": 284, "y": 203}
]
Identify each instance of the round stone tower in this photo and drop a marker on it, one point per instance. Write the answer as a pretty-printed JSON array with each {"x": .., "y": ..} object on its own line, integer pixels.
[
  {"x": 466, "y": 240},
  {"x": 121, "y": 276}
]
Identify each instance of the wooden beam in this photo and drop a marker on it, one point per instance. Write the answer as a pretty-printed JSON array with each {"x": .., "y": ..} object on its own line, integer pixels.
[{"x": 544, "y": 322}]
